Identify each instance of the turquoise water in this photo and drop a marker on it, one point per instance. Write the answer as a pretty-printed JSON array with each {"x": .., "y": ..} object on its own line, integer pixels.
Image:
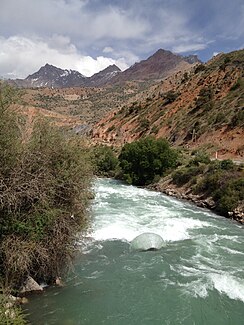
[{"x": 197, "y": 279}]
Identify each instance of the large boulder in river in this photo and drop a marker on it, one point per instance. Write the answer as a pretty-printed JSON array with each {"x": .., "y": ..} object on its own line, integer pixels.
[
  {"x": 147, "y": 241},
  {"x": 30, "y": 286}
]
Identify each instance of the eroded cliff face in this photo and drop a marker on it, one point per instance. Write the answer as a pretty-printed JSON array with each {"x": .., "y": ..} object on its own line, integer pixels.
[{"x": 201, "y": 107}]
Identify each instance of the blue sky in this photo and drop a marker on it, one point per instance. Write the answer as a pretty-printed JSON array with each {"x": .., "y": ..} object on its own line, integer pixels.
[{"x": 89, "y": 35}]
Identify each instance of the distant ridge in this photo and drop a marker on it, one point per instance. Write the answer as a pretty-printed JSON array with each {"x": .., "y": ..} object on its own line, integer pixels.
[
  {"x": 52, "y": 77},
  {"x": 159, "y": 65}
]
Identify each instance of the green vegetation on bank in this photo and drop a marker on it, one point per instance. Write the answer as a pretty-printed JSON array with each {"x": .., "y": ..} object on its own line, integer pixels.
[
  {"x": 44, "y": 197},
  {"x": 10, "y": 315},
  {"x": 146, "y": 160},
  {"x": 223, "y": 181},
  {"x": 105, "y": 161}
]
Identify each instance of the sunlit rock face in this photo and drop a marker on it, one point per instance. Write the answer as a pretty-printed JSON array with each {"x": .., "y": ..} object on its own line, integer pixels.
[{"x": 147, "y": 242}]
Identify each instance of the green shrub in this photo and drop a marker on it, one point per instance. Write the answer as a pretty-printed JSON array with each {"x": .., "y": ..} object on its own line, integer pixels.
[
  {"x": 199, "y": 68},
  {"x": 170, "y": 97},
  {"x": 105, "y": 161},
  {"x": 142, "y": 160},
  {"x": 205, "y": 98},
  {"x": 44, "y": 195},
  {"x": 200, "y": 157},
  {"x": 111, "y": 128},
  {"x": 226, "y": 164},
  {"x": 186, "y": 174},
  {"x": 236, "y": 85},
  {"x": 238, "y": 118},
  {"x": 144, "y": 123},
  {"x": 10, "y": 316}
]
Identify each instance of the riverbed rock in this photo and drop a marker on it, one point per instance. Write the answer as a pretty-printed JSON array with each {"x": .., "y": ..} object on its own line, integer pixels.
[
  {"x": 59, "y": 282},
  {"x": 147, "y": 241},
  {"x": 30, "y": 286},
  {"x": 238, "y": 214}
]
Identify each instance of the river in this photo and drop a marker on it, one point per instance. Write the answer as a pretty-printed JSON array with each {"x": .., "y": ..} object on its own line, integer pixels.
[{"x": 197, "y": 279}]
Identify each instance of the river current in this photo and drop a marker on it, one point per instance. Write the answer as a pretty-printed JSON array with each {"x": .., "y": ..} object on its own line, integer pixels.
[{"x": 197, "y": 279}]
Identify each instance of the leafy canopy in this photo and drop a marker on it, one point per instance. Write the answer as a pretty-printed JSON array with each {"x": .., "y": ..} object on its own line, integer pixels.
[{"x": 146, "y": 159}]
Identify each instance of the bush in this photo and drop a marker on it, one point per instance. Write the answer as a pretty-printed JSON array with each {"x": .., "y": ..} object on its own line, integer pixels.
[
  {"x": 238, "y": 118},
  {"x": 199, "y": 68},
  {"x": 104, "y": 160},
  {"x": 10, "y": 316},
  {"x": 186, "y": 174},
  {"x": 224, "y": 184},
  {"x": 201, "y": 157},
  {"x": 44, "y": 195},
  {"x": 227, "y": 164},
  {"x": 170, "y": 97},
  {"x": 142, "y": 160},
  {"x": 205, "y": 98}
]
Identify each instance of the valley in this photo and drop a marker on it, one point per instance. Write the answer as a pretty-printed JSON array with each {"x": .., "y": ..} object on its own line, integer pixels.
[{"x": 192, "y": 105}]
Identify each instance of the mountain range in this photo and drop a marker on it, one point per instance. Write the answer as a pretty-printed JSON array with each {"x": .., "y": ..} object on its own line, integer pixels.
[{"x": 159, "y": 65}]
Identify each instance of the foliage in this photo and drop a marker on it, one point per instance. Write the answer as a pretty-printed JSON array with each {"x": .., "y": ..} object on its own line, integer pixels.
[
  {"x": 142, "y": 160},
  {"x": 10, "y": 315},
  {"x": 170, "y": 97},
  {"x": 238, "y": 118},
  {"x": 199, "y": 68},
  {"x": 144, "y": 123},
  {"x": 184, "y": 175},
  {"x": 201, "y": 157},
  {"x": 44, "y": 195},
  {"x": 221, "y": 180},
  {"x": 105, "y": 161},
  {"x": 204, "y": 99},
  {"x": 236, "y": 85},
  {"x": 227, "y": 164}
]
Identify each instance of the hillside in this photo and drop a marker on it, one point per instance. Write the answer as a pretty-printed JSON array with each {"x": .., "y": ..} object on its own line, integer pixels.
[
  {"x": 78, "y": 108},
  {"x": 202, "y": 107}
]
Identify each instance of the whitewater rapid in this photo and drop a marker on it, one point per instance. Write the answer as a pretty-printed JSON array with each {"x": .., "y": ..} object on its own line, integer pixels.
[
  {"x": 196, "y": 279},
  {"x": 122, "y": 212}
]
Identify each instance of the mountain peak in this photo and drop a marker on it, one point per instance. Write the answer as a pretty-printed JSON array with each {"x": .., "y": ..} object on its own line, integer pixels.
[
  {"x": 51, "y": 76},
  {"x": 104, "y": 76},
  {"x": 159, "y": 65}
]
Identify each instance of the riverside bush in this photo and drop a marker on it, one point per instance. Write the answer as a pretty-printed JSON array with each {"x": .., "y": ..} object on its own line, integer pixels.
[
  {"x": 105, "y": 161},
  {"x": 10, "y": 316},
  {"x": 185, "y": 174},
  {"x": 143, "y": 160},
  {"x": 44, "y": 196}
]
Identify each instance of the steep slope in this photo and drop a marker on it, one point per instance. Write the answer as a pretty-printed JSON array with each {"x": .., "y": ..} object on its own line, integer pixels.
[
  {"x": 201, "y": 107},
  {"x": 161, "y": 64}
]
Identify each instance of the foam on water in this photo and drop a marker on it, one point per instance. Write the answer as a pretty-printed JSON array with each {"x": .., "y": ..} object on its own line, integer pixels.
[
  {"x": 232, "y": 286},
  {"x": 197, "y": 278},
  {"x": 130, "y": 211}
]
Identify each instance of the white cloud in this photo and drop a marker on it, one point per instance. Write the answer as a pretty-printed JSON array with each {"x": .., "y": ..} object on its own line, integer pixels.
[
  {"x": 182, "y": 48},
  {"x": 108, "y": 49},
  {"x": 21, "y": 56},
  {"x": 71, "y": 18}
]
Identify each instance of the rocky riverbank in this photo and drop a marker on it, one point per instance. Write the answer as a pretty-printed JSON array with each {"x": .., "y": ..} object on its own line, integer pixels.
[{"x": 166, "y": 186}]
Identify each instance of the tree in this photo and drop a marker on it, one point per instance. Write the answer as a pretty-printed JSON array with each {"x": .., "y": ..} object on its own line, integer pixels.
[
  {"x": 141, "y": 161},
  {"x": 105, "y": 161}
]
